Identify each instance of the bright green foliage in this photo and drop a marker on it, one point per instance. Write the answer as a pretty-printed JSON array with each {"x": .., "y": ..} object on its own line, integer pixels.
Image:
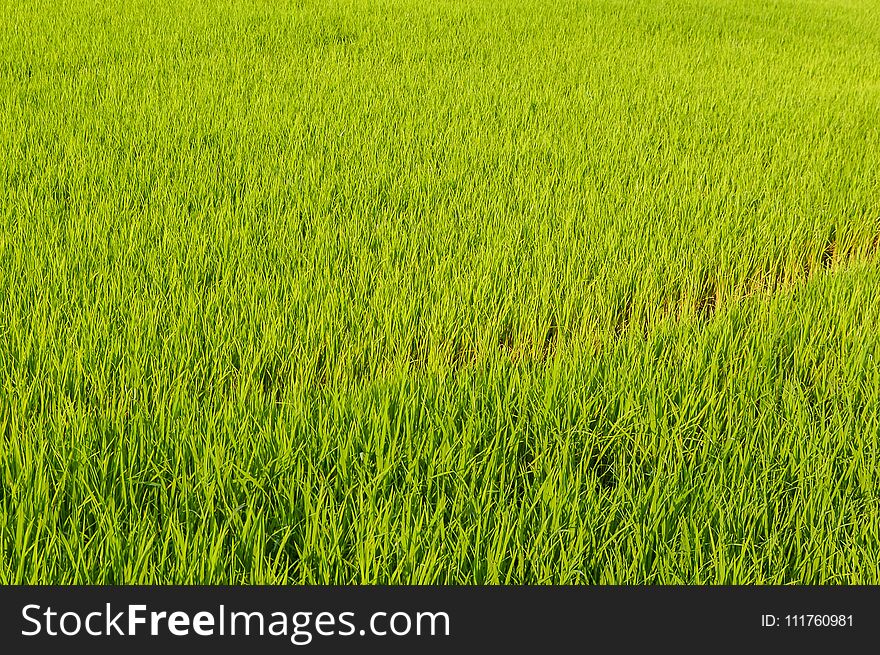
[{"x": 439, "y": 291}]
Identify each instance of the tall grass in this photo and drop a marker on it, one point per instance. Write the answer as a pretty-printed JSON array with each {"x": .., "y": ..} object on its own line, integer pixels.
[{"x": 439, "y": 292}]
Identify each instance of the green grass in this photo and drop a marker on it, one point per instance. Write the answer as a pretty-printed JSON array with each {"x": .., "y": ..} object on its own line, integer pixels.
[{"x": 439, "y": 291}]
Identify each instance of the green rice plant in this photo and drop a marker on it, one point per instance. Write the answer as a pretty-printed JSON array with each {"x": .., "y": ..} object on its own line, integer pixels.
[{"x": 451, "y": 291}]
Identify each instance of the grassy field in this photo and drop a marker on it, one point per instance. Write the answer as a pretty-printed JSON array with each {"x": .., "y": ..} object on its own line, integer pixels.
[{"x": 439, "y": 291}]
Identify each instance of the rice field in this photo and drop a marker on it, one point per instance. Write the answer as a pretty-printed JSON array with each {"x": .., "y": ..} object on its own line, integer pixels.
[{"x": 440, "y": 291}]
